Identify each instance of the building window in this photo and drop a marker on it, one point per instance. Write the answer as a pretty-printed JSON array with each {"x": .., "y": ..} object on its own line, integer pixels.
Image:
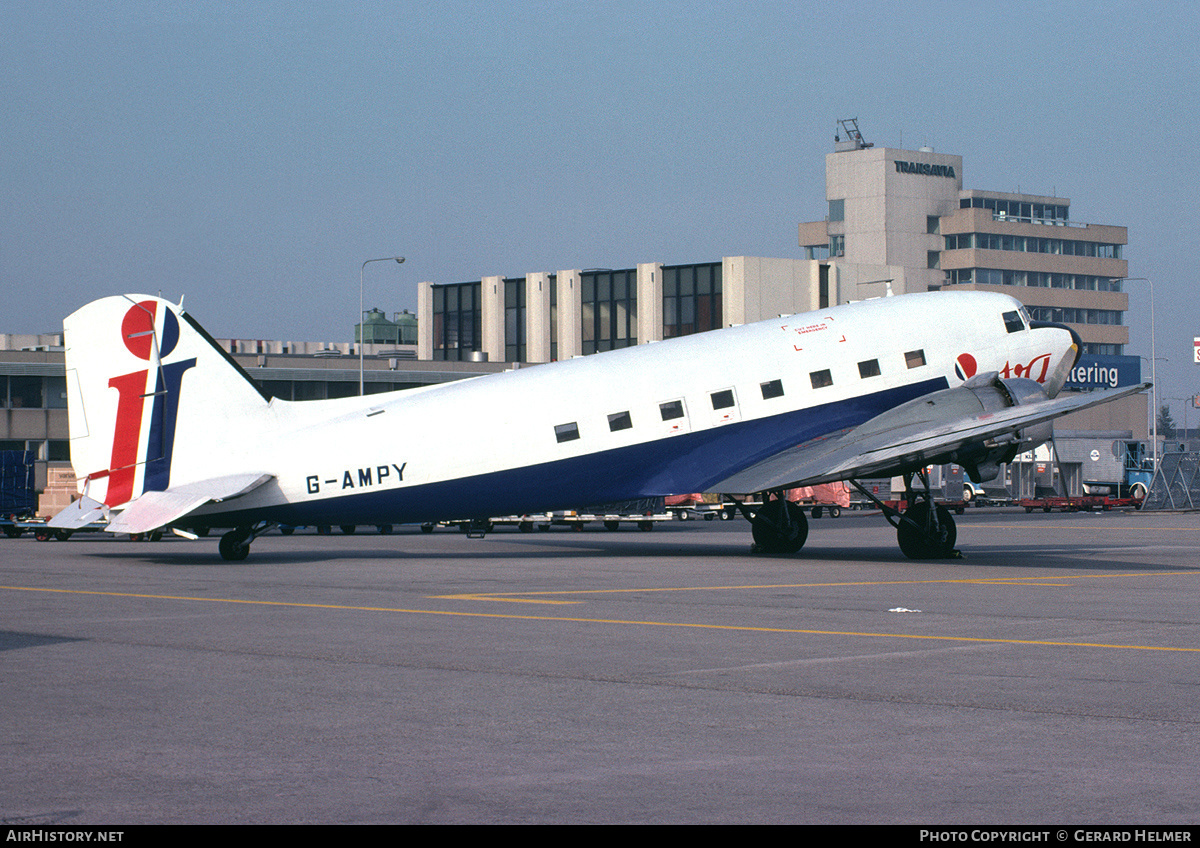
[
  {"x": 837, "y": 210},
  {"x": 772, "y": 389},
  {"x": 821, "y": 379},
  {"x": 514, "y": 319},
  {"x": 933, "y": 224},
  {"x": 456, "y": 321},
  {"x": 566, "y": 432},
  {"x": 914, "y": 358},
  {"x": 691, "y": 299},
  {"x": 608, "y": 300},
  {"x": 619, "y": 421},
  {"x": 870, "y": 368}
]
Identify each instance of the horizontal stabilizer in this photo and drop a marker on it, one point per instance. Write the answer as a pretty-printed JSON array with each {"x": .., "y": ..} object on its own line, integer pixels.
[
  {"x": 158, "y": 509},
  {"x": 79, "y": 514}
]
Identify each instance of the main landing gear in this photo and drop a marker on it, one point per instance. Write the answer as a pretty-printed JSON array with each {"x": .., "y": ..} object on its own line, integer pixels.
[
  {"x": 925, "y": 530},
  {"x": 778, "y": 527},
  {"x": 235, "y": 545}
]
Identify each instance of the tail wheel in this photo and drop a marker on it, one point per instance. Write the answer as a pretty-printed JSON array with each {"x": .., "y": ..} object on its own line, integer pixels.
[
  {"x": 924, "y": 541},
  {"x": 777, "y": 533}
]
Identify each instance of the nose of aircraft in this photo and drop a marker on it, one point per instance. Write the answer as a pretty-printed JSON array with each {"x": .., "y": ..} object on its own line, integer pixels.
[{"x": 1068, "y": 348}]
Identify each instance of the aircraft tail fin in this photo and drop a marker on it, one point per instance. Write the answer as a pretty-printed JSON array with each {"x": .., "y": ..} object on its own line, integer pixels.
[{"x": 151, "y": 398}]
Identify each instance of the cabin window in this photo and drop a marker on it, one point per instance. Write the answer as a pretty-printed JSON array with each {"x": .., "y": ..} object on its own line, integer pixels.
[
  {"x": 619, "y": 421},
  {"x": 1013, "y": 323},
  {"x": 566, "y": 432},
  {"x": 671, "y": 410},
  {"x": 914, "y": 358},
  {"x": 870, "y": 368},
  {"x": 772, "y": 389},
  {"x": 722, "y": 399},
  {"x": 821, "y": 379}
]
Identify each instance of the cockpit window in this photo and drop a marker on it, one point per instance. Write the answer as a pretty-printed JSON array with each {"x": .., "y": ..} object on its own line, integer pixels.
[{"x": 1013, "y": 322}]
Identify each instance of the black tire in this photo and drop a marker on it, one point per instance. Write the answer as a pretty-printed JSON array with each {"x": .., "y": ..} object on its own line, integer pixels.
[
  {"x": 385, "y": 529},
  {"x": 817, "y": 512},
  {"x": 766, "y": 529},
  {"x": 12, "y": 531},
  {"x": 835, "y": 512},
  {"x": 611, "y": 525},
  {"x": 426, "y": 528},
  {"x": 645, "y": 526},
  {"x": 348, "y": 529},
  {"x": 233, "y": 546},
  {"x": 915, "y": 541},
  {"x": 287, "y": 531}
]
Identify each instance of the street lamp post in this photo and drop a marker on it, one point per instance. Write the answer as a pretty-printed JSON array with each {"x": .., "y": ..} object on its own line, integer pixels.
[
  {"x": 1153, "y": 366},
  {"x": 361, "y": 323}
]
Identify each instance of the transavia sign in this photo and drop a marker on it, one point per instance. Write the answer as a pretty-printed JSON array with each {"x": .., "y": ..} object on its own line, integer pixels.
[{"x": 925, "y": 168}]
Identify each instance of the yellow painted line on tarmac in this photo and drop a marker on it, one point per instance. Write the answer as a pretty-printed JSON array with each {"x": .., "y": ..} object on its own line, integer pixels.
[
  {"x": 981, "y": 581},
  {"x": 733, "y": 628},
  {"x": 506, "y": 597}
]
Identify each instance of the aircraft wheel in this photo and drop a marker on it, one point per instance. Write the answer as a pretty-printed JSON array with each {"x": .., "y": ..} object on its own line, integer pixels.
[
  {"x": 920, "y": 542},
  {"x": 233, "y": 546},
  {"x": 771, "y": 536}
]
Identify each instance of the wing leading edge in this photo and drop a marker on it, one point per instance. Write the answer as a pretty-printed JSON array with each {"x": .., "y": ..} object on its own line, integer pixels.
[{"x": 927, "y": 430}]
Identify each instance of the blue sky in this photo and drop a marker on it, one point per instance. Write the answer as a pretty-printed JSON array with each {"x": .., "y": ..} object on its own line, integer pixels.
[{"x": 251, "y": 155}]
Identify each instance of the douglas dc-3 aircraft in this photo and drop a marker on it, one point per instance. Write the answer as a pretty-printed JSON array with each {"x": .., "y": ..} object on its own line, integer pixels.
[{"x": 168, "y": 431}]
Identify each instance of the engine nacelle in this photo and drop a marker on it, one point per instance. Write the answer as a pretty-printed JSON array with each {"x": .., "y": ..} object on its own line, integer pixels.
[{"x": 982, "y": 460}]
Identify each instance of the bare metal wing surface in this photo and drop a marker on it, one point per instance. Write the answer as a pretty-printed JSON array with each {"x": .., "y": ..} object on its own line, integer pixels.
[{"x": 947, "y": 426}]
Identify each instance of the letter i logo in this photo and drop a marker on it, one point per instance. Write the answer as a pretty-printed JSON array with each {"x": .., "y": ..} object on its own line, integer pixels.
[{"x": 138, "y": 332}]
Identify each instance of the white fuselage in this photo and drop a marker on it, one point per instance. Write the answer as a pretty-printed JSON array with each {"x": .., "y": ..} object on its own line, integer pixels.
[{"x": 555, "y": 436}]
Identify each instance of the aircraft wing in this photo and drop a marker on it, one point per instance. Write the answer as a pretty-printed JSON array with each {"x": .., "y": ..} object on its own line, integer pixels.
[
  {"x": 924, "y": 431},
  {"x": 152, "y": 510}
]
